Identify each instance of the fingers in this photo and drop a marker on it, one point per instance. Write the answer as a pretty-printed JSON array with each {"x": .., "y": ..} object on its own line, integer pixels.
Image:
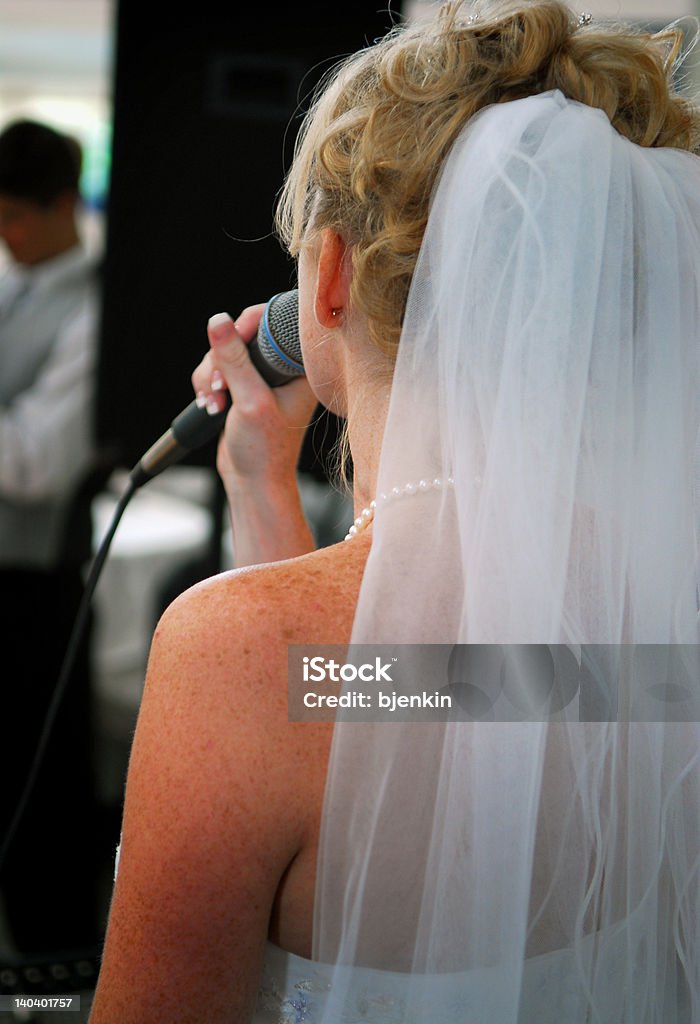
[
  {"x": 265, "y": 427},
  {"x": 230, "y": 357},
  {"x": 201, "y": 379},
  {"x": 247, "y": 322},
  {"x": 227, "y": 366}
]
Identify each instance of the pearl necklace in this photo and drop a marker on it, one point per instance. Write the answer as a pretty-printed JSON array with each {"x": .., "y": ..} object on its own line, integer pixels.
[{"x": 367, "y": 514}]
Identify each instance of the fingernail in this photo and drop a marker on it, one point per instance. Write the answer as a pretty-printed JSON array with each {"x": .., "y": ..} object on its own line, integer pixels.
[
  {"x": 201, "y": 400},
  {"x": 220, "y": 326},
  {"x": 217, "y": 382},
  {"x": 213, "y": 406}
]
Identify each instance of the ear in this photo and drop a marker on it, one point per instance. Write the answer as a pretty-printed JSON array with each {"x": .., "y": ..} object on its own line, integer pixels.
[{"x": 332, "y": 278}]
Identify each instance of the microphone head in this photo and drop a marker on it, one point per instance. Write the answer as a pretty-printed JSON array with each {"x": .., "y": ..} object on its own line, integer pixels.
[{"x": 277, "y": 352}]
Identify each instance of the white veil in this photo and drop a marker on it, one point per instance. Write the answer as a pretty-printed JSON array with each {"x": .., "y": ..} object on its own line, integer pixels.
[{"x": 540, "y": 863}]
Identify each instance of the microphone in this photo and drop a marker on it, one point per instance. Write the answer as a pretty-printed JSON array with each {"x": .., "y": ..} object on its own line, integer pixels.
[{"x": 276, "y": 354}]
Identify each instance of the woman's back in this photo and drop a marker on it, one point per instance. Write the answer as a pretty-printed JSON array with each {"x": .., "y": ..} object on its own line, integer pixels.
[{"x": 224, "y": 795}]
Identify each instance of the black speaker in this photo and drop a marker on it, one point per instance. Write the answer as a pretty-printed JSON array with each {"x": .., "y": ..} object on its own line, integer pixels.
[{"x": 208, "y": 99}]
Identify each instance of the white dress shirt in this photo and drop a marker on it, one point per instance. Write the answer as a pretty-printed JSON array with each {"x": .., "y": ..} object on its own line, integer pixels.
[{"x": 48, "y": 343}]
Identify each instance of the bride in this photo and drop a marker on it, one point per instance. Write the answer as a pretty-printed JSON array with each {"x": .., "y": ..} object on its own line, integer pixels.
[{"x": 496, "y": 216}]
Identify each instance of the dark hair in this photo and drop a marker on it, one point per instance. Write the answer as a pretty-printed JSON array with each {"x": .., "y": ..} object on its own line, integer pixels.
[{"x": 38, "y": 163}]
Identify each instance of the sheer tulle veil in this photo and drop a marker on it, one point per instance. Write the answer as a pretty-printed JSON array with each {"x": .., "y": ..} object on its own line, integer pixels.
[{"x": 549, "y": 367}]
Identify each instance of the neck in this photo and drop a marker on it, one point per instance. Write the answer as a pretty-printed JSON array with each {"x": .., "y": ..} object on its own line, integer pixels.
[
  {"x": 366, "y": 376},
  {"x": 365, "y": 430}
]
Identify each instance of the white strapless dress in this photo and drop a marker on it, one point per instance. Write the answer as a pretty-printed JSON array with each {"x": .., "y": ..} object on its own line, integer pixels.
[{"x": 296, "y": 991}]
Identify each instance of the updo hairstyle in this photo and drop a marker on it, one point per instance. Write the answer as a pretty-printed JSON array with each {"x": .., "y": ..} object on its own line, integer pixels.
[{"x": 379, "y": 130}]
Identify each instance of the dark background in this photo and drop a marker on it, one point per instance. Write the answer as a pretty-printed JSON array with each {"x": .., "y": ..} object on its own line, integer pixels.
[{"x": 207, "y": 104}]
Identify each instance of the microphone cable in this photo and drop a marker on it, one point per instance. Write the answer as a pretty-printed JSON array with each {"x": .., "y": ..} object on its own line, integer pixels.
[{"x": 66, "y": 667}]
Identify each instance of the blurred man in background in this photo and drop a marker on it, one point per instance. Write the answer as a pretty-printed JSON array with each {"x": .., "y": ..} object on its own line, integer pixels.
[{"x": 48, "y": 328}]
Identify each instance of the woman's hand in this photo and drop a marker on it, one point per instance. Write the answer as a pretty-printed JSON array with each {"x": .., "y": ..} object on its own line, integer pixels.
[{"x": 259, "y": 447}]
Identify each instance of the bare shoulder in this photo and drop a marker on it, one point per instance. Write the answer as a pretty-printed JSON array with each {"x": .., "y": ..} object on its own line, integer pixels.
[
  {"x": 223, "y": 793},
  {"x": 217, "y": 684},
  {"x": 219, "y": 653},
  {"x": 311, "y": 598},
  {"x": 217, "y": 695}
]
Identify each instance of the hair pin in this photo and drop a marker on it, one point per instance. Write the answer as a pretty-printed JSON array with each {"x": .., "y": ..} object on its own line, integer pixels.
[{"x": 585, "y": 18}]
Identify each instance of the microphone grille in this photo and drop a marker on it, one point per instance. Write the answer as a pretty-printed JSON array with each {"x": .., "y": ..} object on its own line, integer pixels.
[{"x": 278, "y": 334}]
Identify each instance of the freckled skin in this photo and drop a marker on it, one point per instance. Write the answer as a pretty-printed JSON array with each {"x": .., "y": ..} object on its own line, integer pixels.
[{"x": 224, "y": 794}]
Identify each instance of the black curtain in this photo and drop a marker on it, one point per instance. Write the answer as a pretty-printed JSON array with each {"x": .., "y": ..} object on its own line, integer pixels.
[{"x": 207, "y": 103}]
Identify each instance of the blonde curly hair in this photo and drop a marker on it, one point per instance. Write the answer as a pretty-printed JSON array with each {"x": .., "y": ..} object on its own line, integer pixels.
[{"x": 376, "y": 136}]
